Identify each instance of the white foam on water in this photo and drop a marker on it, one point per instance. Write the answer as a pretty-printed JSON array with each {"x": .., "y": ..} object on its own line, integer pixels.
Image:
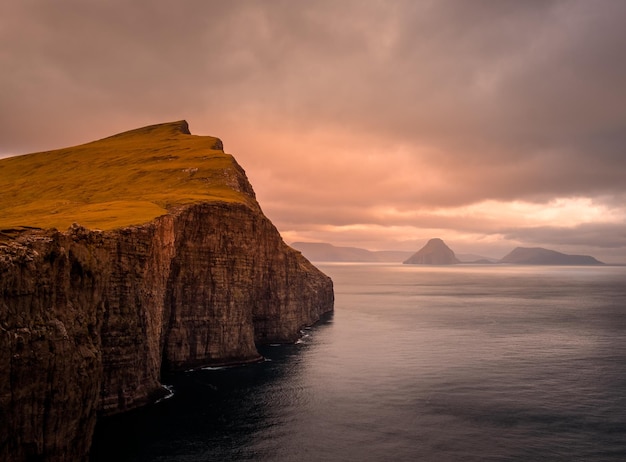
[{"x": 170, "y": 393}]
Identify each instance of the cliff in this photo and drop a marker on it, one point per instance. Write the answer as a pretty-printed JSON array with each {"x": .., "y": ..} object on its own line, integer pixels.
[
  {"x": 194, "y": 274},
  {"x": 540, "y": 256},
  {"x": 435, "y": 252}
]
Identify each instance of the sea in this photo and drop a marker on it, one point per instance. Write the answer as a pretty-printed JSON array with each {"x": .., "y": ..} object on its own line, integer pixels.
[{"x": 417, "y": 363}]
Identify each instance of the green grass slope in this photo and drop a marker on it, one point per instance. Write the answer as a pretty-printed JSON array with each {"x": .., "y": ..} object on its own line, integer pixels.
[{"x": 123, "y": 180}]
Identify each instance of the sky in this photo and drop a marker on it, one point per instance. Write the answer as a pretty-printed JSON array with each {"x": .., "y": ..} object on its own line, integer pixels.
[{"x": 491, "y": 124}]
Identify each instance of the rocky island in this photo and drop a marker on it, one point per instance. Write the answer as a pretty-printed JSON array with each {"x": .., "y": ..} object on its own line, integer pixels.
[
  {"x": 435, "y": 252},
  {"x": 541, "y": 256},
  {"x": 123, "y": 259}
]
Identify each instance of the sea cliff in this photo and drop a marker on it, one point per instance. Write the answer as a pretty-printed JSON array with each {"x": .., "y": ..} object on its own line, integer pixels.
[{"x": 91, "y": 318}]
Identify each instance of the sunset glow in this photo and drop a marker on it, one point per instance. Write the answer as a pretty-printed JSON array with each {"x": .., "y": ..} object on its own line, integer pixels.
[{"x": 489, "y": 125}]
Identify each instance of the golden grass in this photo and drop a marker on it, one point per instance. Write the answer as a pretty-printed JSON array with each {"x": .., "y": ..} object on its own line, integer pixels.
[{"x": 123, "y": 180}]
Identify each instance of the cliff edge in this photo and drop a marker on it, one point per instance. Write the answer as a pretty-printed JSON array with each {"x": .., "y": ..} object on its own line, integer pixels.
[{"x": 164, "y": 262}]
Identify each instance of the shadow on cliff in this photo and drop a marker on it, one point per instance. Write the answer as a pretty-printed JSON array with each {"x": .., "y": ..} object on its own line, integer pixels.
[{"x": 214, "y": 413}]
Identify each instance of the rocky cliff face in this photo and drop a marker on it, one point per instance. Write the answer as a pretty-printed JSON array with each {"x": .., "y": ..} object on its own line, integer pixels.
[{"x": 90, "y": 319}]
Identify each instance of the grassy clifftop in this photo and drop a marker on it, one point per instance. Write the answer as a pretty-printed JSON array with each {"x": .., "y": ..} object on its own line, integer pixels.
[{"x": 122, "y": 180}]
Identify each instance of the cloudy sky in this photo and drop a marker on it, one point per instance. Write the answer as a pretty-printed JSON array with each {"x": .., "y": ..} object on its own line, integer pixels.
[{"x": 377, "y": 124}]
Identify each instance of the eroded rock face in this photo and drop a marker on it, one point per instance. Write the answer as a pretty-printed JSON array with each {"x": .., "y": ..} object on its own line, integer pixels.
[
  {"x": 50, "y": 347},
  {"x": 90, "y": 319}
]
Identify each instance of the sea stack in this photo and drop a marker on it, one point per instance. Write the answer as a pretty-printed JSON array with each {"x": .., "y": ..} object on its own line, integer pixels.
[
  {"x": 126, "y": 258},
  {"x": 435, "y": 252}
]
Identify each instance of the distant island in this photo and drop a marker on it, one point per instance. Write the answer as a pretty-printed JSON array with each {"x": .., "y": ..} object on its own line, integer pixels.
[
  {"x": 322, "y": 251},
  {"x": 435, "y": 252},
  {"x": 540, "y": 256}
]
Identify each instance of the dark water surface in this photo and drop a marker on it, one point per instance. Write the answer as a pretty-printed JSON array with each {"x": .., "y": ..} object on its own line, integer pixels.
[{"x": 463, "y": 363}]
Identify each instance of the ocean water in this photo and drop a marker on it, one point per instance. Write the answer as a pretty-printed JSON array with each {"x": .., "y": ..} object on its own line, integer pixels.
[{"x": 461, "y": 363}]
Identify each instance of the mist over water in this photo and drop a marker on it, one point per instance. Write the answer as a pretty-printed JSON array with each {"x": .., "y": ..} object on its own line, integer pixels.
[{"x": 468, "y": 363}]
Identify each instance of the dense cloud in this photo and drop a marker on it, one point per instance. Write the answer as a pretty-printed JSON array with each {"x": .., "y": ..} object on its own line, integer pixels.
[{"x": 393, "y": 115}]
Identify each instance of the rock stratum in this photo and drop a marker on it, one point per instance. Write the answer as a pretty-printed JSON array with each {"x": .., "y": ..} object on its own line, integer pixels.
[{"x": 93, "y": 316}]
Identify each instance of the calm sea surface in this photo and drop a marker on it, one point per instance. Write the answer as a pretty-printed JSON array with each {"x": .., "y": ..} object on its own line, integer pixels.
[{"x": 462, "y": 363}]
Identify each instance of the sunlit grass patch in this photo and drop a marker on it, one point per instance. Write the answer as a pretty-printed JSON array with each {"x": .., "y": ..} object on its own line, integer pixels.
[{"x": 123, "y": 180}]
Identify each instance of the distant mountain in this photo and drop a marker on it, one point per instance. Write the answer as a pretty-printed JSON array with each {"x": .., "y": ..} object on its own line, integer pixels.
[
  {"x": 472, "y": 258},
  {"x": 322, "y": 251},
  {"x": 435, "y": 252},
  {"x": 539, "y": 256}
]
